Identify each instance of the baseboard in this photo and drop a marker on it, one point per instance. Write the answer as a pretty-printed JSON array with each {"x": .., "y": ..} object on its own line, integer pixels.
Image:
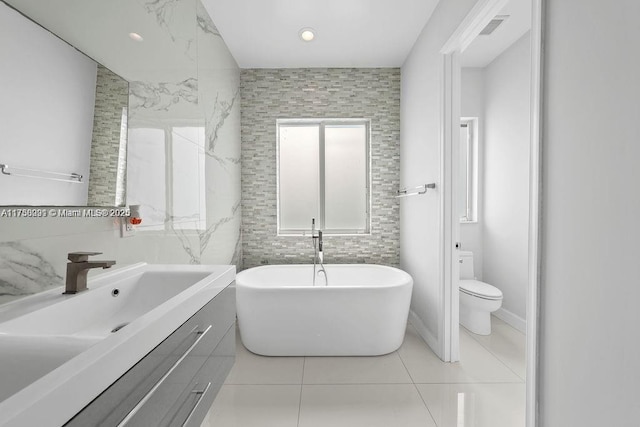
[
  {"x": 425, "y": 333},
  {"x": 513, "y": 320}
]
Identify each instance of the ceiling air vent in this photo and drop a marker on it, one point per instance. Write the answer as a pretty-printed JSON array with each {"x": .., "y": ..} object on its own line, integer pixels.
[{"x": 493, "y": 24}]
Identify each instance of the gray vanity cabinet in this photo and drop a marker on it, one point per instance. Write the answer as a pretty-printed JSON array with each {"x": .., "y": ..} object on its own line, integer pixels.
[{"x": 176, "y": 383}]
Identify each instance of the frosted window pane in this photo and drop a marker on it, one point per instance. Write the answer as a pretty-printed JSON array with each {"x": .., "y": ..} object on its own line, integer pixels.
[
  {"x": 146, "y": 175},
  {"x": 299, "y": 176},
  {"x": 188, "y": 177},
  {"x": 345, "y": 177},
  {"x": 463, "y": 172}
]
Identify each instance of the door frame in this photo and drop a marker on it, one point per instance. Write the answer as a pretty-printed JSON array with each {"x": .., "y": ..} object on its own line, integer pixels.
[{"x": 450, "y": 85}]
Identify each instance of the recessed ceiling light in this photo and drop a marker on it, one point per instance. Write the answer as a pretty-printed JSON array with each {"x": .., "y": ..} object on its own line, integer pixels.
[
  {"x": 135, "y": 36},
  {"x": 307, "y": 34}
]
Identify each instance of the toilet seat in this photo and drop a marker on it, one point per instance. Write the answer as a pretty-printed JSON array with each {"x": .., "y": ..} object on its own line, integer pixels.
[{"x": 480, "y": 289}]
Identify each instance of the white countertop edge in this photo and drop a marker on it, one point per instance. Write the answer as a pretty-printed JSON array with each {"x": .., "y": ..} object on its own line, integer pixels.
[{"x": 58, "y": 396}]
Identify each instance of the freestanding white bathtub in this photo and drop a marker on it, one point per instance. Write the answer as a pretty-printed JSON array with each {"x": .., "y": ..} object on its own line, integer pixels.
[{"x": 362, "y": 312}]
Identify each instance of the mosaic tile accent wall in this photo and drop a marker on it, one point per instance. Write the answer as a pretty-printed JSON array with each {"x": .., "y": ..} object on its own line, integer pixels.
[
  {"x": 112, "y": 95},
  {"x": 270, "y": 94}
]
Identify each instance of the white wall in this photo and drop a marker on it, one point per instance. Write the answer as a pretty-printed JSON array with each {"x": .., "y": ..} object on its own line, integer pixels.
[
  {"x": 589, "y": 345},
  {"x": 46, "y": 112},
  {"x": 589, "y": 364},
  {"x": 420, "y": 164},
  {"x": 472, "y": 105},
  {"x": 505, "y": 214}
]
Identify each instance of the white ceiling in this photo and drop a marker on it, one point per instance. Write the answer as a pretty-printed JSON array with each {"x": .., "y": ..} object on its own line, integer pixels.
[
  {"x": 349, "y": 33},
  {"x": 100, "y": 30},
  {"x": 484, "y": 49}
]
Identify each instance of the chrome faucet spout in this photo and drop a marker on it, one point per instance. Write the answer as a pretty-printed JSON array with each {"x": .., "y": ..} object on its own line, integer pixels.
[{"x": 78, "y": 269}]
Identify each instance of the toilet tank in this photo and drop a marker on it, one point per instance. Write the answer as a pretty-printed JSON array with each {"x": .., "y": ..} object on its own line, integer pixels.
[{"x": 466, "y": 265}]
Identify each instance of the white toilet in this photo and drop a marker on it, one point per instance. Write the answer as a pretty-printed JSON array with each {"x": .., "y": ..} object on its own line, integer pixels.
[{"x": 477, "y": 299}]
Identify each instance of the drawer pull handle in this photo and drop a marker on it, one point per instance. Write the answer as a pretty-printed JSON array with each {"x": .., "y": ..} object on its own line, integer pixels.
[
  {"x": 147, "y": 396},
  {"x": 193, "y": 410}
]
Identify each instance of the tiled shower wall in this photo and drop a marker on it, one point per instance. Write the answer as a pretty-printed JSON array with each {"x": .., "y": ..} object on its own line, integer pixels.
[
  {"x": 33, "y": 250},
  {"x": 270, "y": 94}
]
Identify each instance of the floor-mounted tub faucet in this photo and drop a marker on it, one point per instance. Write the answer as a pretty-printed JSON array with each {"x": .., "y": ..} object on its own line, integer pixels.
[
  {"x": 318, "y": 254},
  {"x": 317, "y": 249},
  {"x": 78, "y": 268}
]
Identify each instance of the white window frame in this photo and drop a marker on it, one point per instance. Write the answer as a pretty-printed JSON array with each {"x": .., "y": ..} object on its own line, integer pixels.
[
  {"x": 322, "y": 123},
  {"x": 471, "y": 209}
]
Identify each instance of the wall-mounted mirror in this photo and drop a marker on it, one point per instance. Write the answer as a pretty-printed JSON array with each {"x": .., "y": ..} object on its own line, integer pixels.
[
  {"x": 151, "y": 44},
  {"x": 63, "y": 119}
]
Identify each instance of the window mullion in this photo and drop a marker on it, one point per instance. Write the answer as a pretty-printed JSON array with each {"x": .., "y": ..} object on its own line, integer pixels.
[
  {"x": 470, "y": 171},
  {"x": 321, "y": 159}
]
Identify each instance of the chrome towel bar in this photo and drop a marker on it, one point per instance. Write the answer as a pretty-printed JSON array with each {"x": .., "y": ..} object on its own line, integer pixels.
[
  {"x": 72, "y": 177},
  {"x": 420, "y": 189}
]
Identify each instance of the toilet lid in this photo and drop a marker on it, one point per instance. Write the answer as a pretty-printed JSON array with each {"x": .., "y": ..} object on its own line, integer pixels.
[{"x": 480, "y": 289}]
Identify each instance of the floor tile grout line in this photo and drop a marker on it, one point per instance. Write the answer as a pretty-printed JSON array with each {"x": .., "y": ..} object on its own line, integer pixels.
[
  {"x": 268, "y": 384},
  {"x": 405, "y": 366},
  {"x": 425, "y": 404},
  {"x": 372, "y": 384},
  {"x": 304, "y": 360},
  {"x": 472, "y": 383},
  {"x": 495, "y": 355},
  {"x": 356, "y": 383},
  {"x": 417, "y": 390},
  {"x": 472, "y": 335}
]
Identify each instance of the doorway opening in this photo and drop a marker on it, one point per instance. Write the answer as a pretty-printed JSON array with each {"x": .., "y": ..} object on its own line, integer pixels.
[{"x": 491, "y": 178}]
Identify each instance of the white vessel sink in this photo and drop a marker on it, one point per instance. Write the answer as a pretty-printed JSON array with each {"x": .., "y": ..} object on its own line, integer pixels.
[{"x": 58, "y": 352}]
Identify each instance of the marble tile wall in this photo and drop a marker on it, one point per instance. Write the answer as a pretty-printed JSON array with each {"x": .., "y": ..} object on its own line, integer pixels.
[
  {"x": 33, "y": 251},
  {"x": 207, "y": 99},
  {"x": 219, "y": 85},
  {"x": 205, "y": 94},
  {"x": 269, "y": 94}
]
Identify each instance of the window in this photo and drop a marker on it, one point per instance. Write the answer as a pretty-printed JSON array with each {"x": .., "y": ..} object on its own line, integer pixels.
[
  {"x": 165, "y": 175},
  {"x": 323, "y": 173},
  {"x": 468, "y": 178}
]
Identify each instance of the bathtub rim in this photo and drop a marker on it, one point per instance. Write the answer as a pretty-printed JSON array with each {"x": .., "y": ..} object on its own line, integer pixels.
[{"x": 406, "y": 278}]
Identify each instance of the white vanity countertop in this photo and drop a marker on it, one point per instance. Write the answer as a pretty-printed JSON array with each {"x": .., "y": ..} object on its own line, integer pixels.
[{"x": 55, "y": 397}]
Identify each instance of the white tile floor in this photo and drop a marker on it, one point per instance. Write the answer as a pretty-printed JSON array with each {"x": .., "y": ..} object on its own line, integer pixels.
[{"x": 409, "y": 387}]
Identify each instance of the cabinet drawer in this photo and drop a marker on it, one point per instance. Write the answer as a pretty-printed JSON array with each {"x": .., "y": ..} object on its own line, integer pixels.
[
  {"x": 174, "y": 361},
  {"x": 195, "y": 401}
]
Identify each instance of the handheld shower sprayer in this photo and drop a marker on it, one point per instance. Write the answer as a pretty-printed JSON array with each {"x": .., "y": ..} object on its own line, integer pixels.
[{"x": 318, "y": 256}]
